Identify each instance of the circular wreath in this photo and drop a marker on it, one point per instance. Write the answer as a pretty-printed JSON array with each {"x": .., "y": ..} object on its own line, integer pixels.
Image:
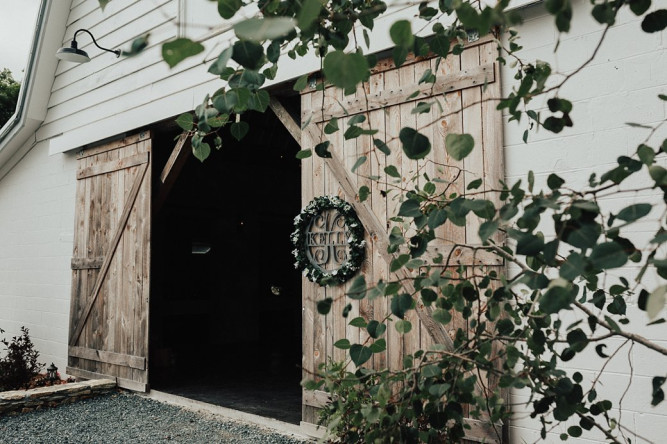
[{"x": 356, "y": 242}]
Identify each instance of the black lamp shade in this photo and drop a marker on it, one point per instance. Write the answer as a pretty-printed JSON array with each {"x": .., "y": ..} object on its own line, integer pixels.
[{"x": 73, "y": 55}]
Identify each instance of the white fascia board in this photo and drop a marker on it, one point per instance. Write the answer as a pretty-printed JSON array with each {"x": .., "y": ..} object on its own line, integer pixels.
[{"x": 36, "y": 87}]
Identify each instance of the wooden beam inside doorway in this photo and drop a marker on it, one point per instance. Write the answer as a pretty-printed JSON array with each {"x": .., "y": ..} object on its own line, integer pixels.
[
  {"x": 286, "y": 119},
  {"x": 177, "y": 159}
]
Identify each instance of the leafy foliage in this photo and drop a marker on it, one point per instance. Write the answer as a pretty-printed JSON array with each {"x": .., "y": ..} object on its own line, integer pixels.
[
  {"x": 9, "y": 95},
  {"x": 19, "y": 365},
  {"x": 178, "y": 50}
]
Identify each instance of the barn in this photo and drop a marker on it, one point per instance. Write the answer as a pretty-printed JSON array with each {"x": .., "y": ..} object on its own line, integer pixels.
[{"x": 128, "y": 258}]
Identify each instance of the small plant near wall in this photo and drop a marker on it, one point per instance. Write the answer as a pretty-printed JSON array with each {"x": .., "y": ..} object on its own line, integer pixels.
[{"x": 19, "y": 365}]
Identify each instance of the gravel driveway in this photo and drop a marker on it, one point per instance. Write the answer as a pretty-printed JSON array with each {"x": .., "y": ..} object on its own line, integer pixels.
[{"x": 124, "y": 417}]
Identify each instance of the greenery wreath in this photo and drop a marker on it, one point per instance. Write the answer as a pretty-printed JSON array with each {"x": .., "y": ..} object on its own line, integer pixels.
[{"x": 355, "y": 241}]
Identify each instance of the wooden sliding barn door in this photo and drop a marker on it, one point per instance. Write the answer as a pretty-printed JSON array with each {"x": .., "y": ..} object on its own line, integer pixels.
[
  {"x": 108, "y": 334},
  {"x": 462, "y": 82}
]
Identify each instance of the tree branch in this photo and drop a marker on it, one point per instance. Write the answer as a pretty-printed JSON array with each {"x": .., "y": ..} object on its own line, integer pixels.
[{"x": 632, "y": 336}]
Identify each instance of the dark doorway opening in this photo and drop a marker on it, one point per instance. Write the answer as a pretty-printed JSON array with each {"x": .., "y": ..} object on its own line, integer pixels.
[{"x": 225, "y": 299}]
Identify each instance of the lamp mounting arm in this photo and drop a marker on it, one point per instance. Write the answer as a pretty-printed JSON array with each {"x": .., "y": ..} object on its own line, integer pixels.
[{"x": 74, "y": 44}]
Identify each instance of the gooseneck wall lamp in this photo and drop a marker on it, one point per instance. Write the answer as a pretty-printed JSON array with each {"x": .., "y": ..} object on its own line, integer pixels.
[{"x": 76, "y": 55}]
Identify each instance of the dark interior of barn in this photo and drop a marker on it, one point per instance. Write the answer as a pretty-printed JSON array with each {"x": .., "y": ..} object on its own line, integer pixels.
[{"x": 225, "y": 299}]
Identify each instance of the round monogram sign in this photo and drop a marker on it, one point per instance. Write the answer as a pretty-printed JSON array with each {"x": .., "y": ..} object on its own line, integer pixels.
[{"x": 328, "y": 241}]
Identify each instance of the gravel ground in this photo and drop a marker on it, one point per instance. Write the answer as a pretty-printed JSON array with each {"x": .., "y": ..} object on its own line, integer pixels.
[{"x": 124, "y": 417}]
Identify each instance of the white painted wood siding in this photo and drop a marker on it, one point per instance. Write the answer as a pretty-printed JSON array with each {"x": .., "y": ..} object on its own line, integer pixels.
[{"x": 108, "y": 96}]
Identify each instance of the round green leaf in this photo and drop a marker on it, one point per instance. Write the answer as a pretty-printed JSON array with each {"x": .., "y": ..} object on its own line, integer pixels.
[
  {"x": 401, "y": 34},
  {"x": 308, "y": 13},
  {"x": 201, "y": 151},
  {"x": 324, "y": 306},
  {"x": 137, "y": 46},
  {"x": 322, "y": 149},
  {"x": 227, "y": 8},
  {"x": 345, "y": 70},
  {"x": 304, "y": 154},
  {"x": 655, "y": 21},
  {"x": 608, "y": 255},
  {"x": 220, "y": 63},
  {"x": 428, "y": 296},
  {"x": 556, "y": 299},
  {"x": 239, "y": 130},
  {"x": 400, "y": 304},
  {"x": 360, "y": 161},
  {"x": 331, "y": 126},
  {"x": 487, "y": 229},
  {"x": 358, "y": 322},
  {"x": 440, "y": 45},
  {"x": 634, "y": 212},
  {"x": 301, "y": 84},
  {"x": 248, "y": 54},
  {"x": 177, "y": 50},
  {"x": 260, "y": 29},
  {"x": 360, "y": 354},
  {"x": 639, "y": 7},
  {"x": 459, "y": 145},
  {"x": 529, "y": 244},
  {"x": 378, "y": 346},
  {"x": 554, "y": 181},
  {"x": 185, "y": 121},
  {"x": 343, "y": 344},
  {"x": 358, "y": 288},
  {"x": 415, "y": 144},
  {"x": 403, "y": 326},
  {"x": 364, "y": 192},
  {"x": 442, "y": 316},
  {"x": 376, "y": 329},
  {"x": 379, "y": 144},
  {"x": 438, "y": 390},
  {"x": 392, "y": 171},
  {"x": 410, "y": 208},
  {"x": 658, "y": 173},
  {"x": 432, "y": 371}
]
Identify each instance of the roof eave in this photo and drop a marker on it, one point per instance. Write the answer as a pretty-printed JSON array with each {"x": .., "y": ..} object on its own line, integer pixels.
[{"x": 37, "y": 82}]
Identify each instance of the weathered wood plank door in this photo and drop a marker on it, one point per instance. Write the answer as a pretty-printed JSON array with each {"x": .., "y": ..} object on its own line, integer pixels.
[
  {"x": 108, "y": 334},
  {"x": 463, "y": 82}
]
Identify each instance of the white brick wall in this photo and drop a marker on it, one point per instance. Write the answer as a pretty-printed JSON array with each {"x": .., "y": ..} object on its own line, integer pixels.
[
  {"x": 621, "y": 85},
  {"x": 36, "y": 223}
]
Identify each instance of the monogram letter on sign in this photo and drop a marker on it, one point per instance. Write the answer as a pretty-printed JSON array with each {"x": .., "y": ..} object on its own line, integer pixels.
[{"x": 328, "y": 241}]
